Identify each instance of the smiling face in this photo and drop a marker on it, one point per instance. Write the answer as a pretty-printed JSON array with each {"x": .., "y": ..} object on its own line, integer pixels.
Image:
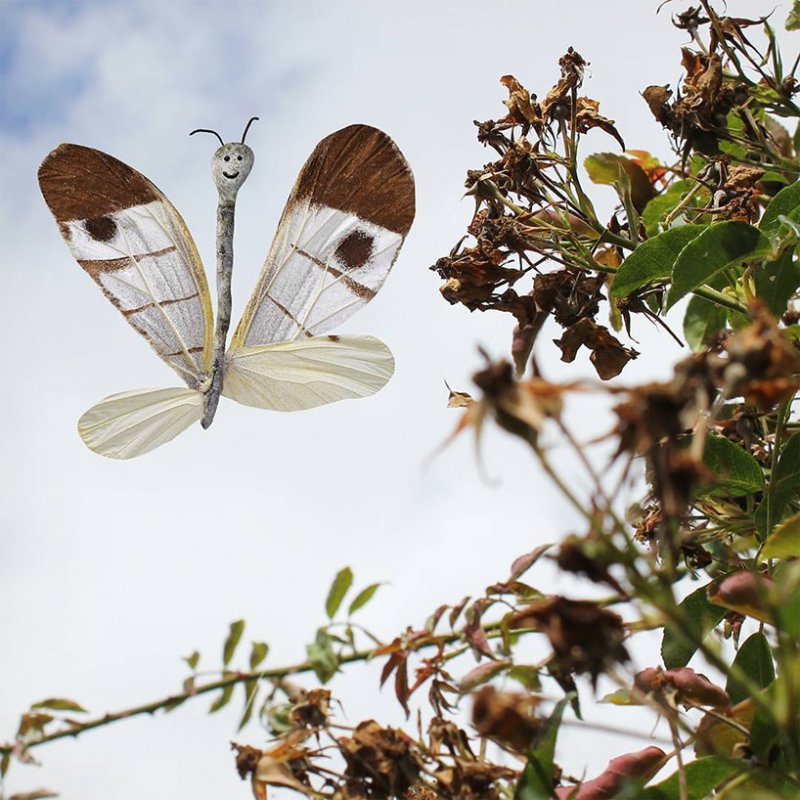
[{"x": 230, "y": 167}]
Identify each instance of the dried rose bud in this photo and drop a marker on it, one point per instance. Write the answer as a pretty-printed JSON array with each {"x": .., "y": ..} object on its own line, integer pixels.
[
  {"x": 639, "y": 766},
  {"x": 682, "y": 685},
  {"x": 697, "y": 689},
  {"x": 312, "y": 710},
  {"x": 745, "y": 588},
  {"x": 584, "y": 637}
]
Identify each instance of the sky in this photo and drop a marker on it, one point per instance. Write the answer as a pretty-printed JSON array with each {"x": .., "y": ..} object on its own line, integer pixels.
[{"x": 110, "y": 572}]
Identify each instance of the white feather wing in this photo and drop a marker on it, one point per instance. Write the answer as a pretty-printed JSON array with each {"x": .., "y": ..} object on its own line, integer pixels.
[
  {"x": 134, "y": 423},
  {"x": 305, "y": 373}
]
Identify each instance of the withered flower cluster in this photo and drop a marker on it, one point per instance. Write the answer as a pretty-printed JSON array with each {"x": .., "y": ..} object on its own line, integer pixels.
[{"x": 530, "y": 212}]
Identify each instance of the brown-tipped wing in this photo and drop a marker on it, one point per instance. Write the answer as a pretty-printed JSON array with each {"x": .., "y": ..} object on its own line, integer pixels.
[
  {"x": 340, "y": 233},
  {"x": 130, "y": 239}
]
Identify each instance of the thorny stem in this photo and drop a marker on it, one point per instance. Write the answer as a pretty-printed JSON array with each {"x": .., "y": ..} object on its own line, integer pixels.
[
  {"x": 780, "y": 422},
  {"x": 565, "y": 490},
  {"x": 737, "y": 726},
  {"x": 174, "y": 700},
  {"x": 682, "y": 787},
  {"x": 705, "y": 292},
  {"x": 276, "y": 675}
]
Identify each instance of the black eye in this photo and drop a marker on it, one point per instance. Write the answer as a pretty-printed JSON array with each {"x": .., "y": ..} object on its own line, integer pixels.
[
  {"x": 240, "y": 158},
  {"x": 227, "y": 158}
]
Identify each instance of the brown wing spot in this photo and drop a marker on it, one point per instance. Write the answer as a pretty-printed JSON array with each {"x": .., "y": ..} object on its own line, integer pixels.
[
  {"x": 334, "y": 338},
  {"x": 101, "y": 229},
  {"x": 355, "y": 249}
]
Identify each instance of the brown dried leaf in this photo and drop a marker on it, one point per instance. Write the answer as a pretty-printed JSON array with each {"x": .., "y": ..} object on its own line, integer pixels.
[
  {"x": 609, "y": 356},
  {"x": 588, "y": 117},
  {"x": 458, "y": 399}
]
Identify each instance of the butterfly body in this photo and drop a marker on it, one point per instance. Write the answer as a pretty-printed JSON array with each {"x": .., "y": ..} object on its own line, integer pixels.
[
  {"x": 341, "y": 230},
  {"x": 230, "y": 167}
]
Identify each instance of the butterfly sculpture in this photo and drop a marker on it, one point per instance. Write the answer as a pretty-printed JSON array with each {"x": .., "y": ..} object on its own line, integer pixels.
[{"x": 344, "y": 223}]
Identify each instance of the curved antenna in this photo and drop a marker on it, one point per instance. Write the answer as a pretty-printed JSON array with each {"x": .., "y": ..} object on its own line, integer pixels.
[
  {"x": 247, "y": 128},
  {"x": 206, "y": 130}
]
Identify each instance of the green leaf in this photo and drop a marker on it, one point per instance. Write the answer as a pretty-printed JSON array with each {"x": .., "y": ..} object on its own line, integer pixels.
[
  {"x": 536, "y": 781},
  {"x": 224, "y": 696},
  {"x": 613, "y": 170},
  {"x": 363, "y": 597},
  {"x": 258, "y": 653},
  {"x": 754, "y": 659},
  {"x": 702, "y": 776},
  {"x": 771, "y": 176},
  {"x": 739, "y": 473},
  {"x": 527, "y": 675},
  {"x": 60, "y": 704},
  {"x": 784, "y": 541},
  {"x": 193, "y": 660},
  {"x": 339, "y": 588},
  {"x": 653, "y": 260},
  {"x": 784, "y": 486},
  {"x": 621, "y": 697},
  {"x": 764, "y": 729},
  {"x": 718, "y": 247},
  {"x": 776, "y": 281},
  {"x": 793, "y": 18},
  {"x": 760, "y": 784},
  {"x": 234, "y": 635},
  {"x": 786, "y": 203},
  {"x": 702, "y": 322},
  {"x": 321, "y": 656},
  {"x": 661, "y": 205},
  {"x": 699, "y": 617},
  {"x": 787, "y": 611}
]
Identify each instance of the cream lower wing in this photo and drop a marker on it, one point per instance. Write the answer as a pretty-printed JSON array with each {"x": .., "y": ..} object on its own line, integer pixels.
[
  {"x": 134, "y": 423},
  {"x": 291, "y": 376}
]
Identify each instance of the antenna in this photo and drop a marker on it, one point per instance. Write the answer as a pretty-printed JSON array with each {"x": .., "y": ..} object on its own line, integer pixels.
[
  {"x": 206, "y": 130},
  {"x": 247, "y": 128}
]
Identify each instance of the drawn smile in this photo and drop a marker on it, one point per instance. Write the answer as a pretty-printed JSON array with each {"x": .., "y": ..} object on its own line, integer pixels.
[{"x": 235, "y": 175}]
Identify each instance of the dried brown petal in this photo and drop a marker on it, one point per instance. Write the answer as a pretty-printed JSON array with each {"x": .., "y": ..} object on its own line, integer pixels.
[
  {"x": 522, "y": 109},
  {"x": 508, "y": 718},
  {"x": 383, "y": 759}
]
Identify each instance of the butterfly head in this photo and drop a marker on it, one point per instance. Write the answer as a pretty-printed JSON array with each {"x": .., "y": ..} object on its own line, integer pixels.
[
  {"x": 231, "y": 163},
  {"x": 230, "y": 167}
]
